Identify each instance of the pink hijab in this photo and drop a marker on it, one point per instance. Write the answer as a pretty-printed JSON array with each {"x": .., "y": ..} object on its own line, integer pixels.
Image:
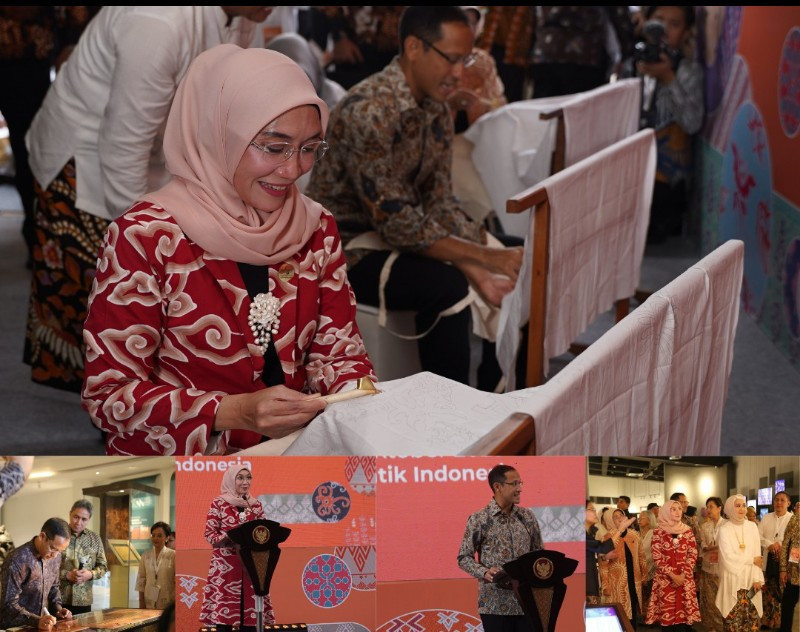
[
  {"x": 667, "y": 523},
  {"x": 227, "y": 96},
  {"x": 228, "y": 488},
  {"x": 730, "y": 513}
]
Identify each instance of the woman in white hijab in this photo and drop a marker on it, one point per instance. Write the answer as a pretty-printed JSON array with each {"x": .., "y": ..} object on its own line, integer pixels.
[{"x": 740, "y": 574}]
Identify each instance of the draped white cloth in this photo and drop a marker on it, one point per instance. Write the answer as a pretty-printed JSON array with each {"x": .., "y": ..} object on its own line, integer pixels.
[
  {"x": 656, "y": 382},
  {"x": 599, "y": 211},
  {"x": 514, "y": 147}
]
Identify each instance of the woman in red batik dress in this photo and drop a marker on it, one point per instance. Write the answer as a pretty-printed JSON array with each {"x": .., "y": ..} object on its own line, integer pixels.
[
  {"x": 221, "y": 308},
  {"x": 673, "y": 604},
  {"x": 228, "y": 597}
]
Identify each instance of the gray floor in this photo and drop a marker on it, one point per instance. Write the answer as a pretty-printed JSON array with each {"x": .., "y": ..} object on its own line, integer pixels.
[{"x": 761, "y": 414}]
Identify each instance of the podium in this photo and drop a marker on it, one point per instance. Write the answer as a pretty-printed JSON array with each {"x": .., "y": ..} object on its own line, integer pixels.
[
  {"x": 537, "y": 579},
  {"x": 257, "y": 544}
]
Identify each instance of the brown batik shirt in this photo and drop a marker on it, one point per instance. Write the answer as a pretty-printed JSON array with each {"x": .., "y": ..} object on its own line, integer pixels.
[
  {"x": 388, "y": 168},
  {"x": 29, "y": 584},
  {"x": 497, "y": 538}
]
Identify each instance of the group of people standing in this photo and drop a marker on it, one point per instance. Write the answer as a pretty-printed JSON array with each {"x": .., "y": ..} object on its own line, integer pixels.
[
  {"x": 51, "y": 577},
  {"x": 748, "y": 575}
]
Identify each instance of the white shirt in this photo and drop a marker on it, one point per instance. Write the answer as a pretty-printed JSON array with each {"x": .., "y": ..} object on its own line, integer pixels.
[
  {"x": 771, "y": 530},
  {"x": 156, "y": 578},
  {"x": 108, "y": 106},
  {"x": 736, "y": 568}
]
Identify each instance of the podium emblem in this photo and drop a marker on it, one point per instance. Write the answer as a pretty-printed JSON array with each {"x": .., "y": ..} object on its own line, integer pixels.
[
  {"x": 260, "y": 534},
  {"x": 543, "y": 568}
]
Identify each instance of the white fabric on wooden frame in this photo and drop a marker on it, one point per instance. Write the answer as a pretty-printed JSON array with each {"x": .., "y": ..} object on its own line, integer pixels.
[
  {"x": 599, "y": 212},
  {"x": 513, "y": 146},
  {"x": 656, "y": 383}
]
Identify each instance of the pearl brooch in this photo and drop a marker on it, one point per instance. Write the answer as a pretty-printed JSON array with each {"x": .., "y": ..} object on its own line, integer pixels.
[{"x": 264, "y": 318}]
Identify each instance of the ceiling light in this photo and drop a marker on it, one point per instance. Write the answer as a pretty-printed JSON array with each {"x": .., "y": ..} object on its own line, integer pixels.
[
  {"x": 634, "y": 474},
  {"x": 42, "y": 474}
]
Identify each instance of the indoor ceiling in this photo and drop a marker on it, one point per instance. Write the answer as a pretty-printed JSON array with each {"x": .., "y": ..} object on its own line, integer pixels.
[
  {"x": 62, "y": 472},
  {"x": 648, "y": 468}
]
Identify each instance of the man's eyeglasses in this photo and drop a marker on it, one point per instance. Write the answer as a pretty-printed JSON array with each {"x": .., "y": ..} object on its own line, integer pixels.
[
  {"x": 278, "y": 153},
  {"x": 466, "y": 60},
  {"x": 516, "y": 484}
]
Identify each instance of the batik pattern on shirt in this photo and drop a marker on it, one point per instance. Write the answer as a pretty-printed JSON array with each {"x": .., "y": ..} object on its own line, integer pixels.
[
  {"x": 227, "y": 578},
  {"x": 388, "y": 169},
  {"x": 497, "y": 538},
  {"x": 28, "y": 585},
  {"x": 85, "y": 551},
  {"x": 167, "y": 335},
  {"x": 671, "y": 604}
]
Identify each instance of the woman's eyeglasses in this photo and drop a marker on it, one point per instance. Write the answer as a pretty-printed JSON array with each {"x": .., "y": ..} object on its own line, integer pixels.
[{"x": 278, "y": 153}]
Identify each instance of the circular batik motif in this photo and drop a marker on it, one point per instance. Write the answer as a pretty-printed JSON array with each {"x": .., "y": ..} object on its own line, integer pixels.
[
  {"x": 331, "y": 501},
  {"x": 327, "y": 581},
  {"x": 789, "y": 84}
]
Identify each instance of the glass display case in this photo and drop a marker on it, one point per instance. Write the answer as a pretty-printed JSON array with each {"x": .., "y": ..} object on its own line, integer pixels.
[{"x": 127, "y": 511}]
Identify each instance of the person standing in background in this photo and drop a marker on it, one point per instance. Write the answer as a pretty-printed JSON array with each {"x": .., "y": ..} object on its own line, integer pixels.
[
  {"x": 772, "y": 529},
  {"x": 95, "y": 148},
  {"x": 83, "y": 562},
  {"x": 155, "y": 581}
]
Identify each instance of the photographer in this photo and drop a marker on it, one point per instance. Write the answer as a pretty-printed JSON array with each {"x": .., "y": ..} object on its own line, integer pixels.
[{"x": 672, "y": 104}]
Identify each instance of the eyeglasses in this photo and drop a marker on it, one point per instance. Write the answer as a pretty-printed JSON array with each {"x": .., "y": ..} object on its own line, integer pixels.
[
  {"x": 516, "y": 484},
  {"x": 278, "y": 153},
  {"x": 466, "y": 60}
]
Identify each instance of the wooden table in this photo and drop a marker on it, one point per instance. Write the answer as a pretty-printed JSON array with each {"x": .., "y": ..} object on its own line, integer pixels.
[{"x": 111, "y": 619}]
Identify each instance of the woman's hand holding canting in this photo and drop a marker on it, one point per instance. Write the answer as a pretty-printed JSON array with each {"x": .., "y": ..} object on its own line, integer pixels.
[{"x": 274, "y": 412}]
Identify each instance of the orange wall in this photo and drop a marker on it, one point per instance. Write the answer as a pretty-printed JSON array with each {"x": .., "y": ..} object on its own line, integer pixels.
[
  {"x": 420, "y": 525},
  {"x": 286, "y": 592}
]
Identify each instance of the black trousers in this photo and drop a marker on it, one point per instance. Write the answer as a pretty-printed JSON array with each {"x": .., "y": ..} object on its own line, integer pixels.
[
  {"x": 505, "y": 623},
  {"x": 25, "y": 84},
  {"x": 428, "y": 287},
  {"x": 788, "y": 604}
]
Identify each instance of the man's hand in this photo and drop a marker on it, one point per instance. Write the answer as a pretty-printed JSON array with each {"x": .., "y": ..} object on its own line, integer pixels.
[
  {"x": 491, "y": 287},
  {"x": 505, "y": 261},
  {"x": 72, "y": 576},
  {"x": 84, "y": 575},
  {"x": 784, "y": 578},
  {"x": 678, "y": 579},
  {"x": 46, "y": 622},
  {"x": 64, "y": 614},
  {"x": 492, "y": 573}
]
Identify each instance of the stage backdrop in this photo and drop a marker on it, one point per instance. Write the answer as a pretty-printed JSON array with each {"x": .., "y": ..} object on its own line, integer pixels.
[
  {"x": 328, "y": 503},
  {"x": 423, "y": 506},
  {"x": 747, "y": 167}
]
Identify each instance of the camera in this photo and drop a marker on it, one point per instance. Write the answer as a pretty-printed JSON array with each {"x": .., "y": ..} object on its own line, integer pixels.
[{"x": 654, "y": 44}]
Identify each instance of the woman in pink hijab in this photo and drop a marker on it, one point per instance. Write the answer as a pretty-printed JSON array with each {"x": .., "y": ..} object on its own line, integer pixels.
[
  {"x": 228, "y": 585},
  {"x": 740, "y": 576},
  {"x": 673, "y": 602},
  {"x": 221, "y": 308}
]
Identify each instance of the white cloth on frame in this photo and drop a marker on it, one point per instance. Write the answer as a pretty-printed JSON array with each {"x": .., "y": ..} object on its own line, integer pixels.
[
  {"x": 599, "y": 211},
  {"x": 657, "y": 381},
  {"x": 514, "y": 147}
]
